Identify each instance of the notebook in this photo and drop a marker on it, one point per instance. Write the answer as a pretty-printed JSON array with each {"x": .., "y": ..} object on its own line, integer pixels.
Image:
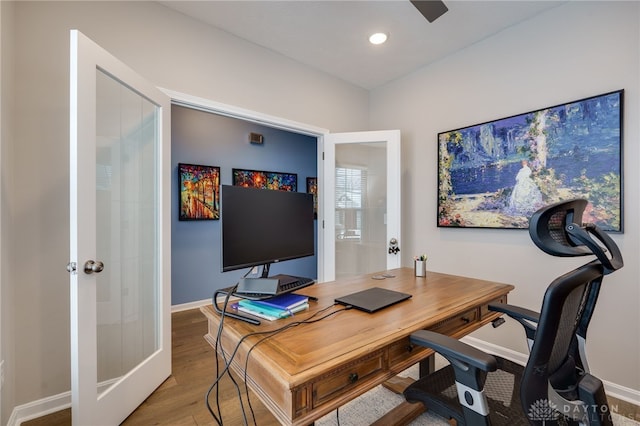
[
  {"x": 373, "y": 299},
  {"x": 284, "y": 301}
]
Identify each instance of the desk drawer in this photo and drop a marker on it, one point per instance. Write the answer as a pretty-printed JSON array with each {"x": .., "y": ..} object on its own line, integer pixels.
[
  {"x": 346, "y": 377},
  {"x": 455, "y": 323},
  {"x": 402, "y": 350}
]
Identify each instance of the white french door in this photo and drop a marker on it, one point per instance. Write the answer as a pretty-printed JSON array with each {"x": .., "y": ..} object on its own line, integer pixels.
[
  {"x": 120, "y": 236},
  {"x": 361, "y": 203}
]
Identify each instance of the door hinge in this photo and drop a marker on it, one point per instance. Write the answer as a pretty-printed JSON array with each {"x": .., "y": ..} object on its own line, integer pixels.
[{"x": 323, "y": 155}]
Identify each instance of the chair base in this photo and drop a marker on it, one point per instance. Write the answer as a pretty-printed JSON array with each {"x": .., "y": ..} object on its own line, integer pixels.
[{"x": 437, "y": 392}]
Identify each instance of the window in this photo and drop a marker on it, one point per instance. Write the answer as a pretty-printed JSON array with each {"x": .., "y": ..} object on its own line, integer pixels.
[{"x": 351, "y": 186}]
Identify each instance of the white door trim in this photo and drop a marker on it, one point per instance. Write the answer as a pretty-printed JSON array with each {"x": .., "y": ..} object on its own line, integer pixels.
[{"x": 207, "y": 105}]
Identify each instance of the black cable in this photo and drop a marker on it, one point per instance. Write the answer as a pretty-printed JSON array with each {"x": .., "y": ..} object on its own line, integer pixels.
[
  {"x": 218, "y": 376},
  {"x": 232, "y": 355},
  {"x": 220, "y": 327},
  {"x": 226, "y": 370},
  {"x": 224, "y": 357},
  {"x": 308, "y": 320},
  {"x": 257, "y": 333}
]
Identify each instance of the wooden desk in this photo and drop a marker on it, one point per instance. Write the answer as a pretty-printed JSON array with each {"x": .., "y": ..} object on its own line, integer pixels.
[{"x": 309, "y": 370}]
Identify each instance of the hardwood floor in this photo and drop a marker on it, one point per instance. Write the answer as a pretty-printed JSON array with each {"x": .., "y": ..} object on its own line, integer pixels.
[{"x": 179, "y": 401}]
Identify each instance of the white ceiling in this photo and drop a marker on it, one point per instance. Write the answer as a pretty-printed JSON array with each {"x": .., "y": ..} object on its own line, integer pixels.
[{"x": 332, "y": 36}]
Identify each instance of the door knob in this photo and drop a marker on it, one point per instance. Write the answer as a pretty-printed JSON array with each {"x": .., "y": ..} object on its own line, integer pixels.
[
  {"x": 393, "y": 246},
  {"x": 93, "y": 266}
]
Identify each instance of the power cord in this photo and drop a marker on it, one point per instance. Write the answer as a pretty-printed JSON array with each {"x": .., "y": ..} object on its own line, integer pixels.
[
  {"x": 218, "y": 418},
  {"x": 218, "y": 348},
  {"x": 228, "y": 362},
  {"x": 308, "y": 320},
  {"x": 219, "y": 375}
]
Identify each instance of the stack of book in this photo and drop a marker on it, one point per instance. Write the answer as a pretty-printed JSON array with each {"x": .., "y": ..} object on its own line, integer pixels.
[{"x": 274, "y": 308}]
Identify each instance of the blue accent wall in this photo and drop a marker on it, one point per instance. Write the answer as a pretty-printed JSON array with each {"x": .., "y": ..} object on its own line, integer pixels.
[{"x": 208, "y": 139}]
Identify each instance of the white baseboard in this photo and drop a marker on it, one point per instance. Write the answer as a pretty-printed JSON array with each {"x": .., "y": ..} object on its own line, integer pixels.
[
  {"x": 509, "y": 354},
  {"x": 190, "y": 305},
  {"x": 49, "y": 405},
  {"x": 33, "y": 410},
  {"x": 617, "y": 391}
]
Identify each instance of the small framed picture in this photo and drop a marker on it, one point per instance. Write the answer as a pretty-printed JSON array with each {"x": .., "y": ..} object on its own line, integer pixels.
[
  {"x": 265, "y": 180},
  {"x": 312, "y": 188},
  {"x": 199, "y": 192}
]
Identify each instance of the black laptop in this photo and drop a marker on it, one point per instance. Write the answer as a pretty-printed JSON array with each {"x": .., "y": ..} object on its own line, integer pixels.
[{"x": 373, "y": 299}]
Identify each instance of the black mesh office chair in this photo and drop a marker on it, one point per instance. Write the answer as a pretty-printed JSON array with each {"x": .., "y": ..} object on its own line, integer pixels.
[{"x": 555, "y": 386}]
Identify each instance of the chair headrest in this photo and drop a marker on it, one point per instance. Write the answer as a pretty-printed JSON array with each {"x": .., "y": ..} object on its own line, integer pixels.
[{"x": 557, "y": 229}]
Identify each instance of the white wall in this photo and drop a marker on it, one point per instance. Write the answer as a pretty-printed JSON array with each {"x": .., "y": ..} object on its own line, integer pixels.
[
  {"x": 577, "y": 50},
  {"x": 7, "y": 94},
  {"x": 172, "y": 51}
]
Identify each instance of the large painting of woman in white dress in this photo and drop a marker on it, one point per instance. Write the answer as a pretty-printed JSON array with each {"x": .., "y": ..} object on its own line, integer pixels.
[{"x": 497, "y": 174}]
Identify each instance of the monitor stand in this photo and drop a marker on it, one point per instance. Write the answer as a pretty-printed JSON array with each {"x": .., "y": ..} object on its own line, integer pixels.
[
  {"x": 258, "y": 286},
  {"x": 254, "y": 283}
]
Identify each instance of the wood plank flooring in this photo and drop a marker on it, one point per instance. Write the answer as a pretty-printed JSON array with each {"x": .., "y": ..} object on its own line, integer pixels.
[{"x": 179, "y": 401}]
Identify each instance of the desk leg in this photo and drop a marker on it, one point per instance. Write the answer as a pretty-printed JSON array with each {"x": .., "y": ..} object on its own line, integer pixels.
[
  {"x": 405, "y": 412},
  {"x": 428, "y": 365},
  {"x": 398, "y": 384}
]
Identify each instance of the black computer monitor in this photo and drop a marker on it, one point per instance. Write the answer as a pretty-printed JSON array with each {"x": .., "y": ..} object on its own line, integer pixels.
[{"x": 263, "y": 226}]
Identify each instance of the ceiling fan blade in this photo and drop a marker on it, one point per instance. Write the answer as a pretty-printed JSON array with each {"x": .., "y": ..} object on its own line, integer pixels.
[{"x": 430, "y": 9}]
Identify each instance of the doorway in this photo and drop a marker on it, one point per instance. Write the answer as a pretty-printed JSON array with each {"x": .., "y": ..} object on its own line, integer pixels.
[
  {"x": 209, "y": 139},
  {"x": 326, "y": 239}
]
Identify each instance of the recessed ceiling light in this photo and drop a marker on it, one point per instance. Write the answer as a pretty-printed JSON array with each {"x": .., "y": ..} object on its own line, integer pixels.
[{"x": 378, "y": 38}]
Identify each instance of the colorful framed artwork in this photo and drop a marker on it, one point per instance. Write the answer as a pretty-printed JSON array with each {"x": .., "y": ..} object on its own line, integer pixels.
[
  {"x": 265, "y": 180},
  {"x": 312, "y": 188},
  {"x": 199, "y": 192},
  {"x": 496, "y": 174}
]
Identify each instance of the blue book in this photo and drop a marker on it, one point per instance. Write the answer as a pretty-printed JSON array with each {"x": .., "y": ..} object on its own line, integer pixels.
[
  {"x": 285, "y": 302},
  {"x": 270, "y": 314}
]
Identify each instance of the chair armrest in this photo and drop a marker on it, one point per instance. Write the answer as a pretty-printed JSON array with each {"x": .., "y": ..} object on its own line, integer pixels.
[
  {"x": 524, "y": 316},
  {"x": 515, "y": 312},
  {"x": 456, "y": 352}
]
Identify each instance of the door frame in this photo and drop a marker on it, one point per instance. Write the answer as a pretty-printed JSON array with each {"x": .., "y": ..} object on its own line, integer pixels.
[{"x": 206, "y": 105}]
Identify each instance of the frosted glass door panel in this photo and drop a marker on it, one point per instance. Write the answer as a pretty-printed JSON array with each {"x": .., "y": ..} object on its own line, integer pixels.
[
  {"x": 360, "y": 208},
  {"x": 126, "y": 298}
]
